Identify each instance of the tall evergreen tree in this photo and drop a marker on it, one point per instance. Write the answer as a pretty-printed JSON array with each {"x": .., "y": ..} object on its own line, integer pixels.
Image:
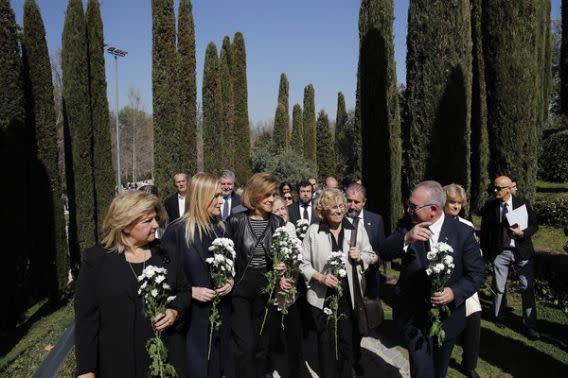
[
  {"x": 227, "y": 105},
  {"x": 511, "y": 73},
  {"x": 544, "y": 62},
  {"x": 325, "y": 149},
  {"x": 12, "y": 161},
  {"x": 240, "y": 92},
  {"x": 343, "y": 144},
  {"x": 479, "y": 142},
  {"x": 49, "y": 259},
  {"x": 379, "y": 110},
  {"x": 297, "y": 136},
  {"x": 564, "y": 61},
  {"x": 439, "y": 91},
  {"x": 165, "y": 94},
  {"x": 280, "y": 137},
  {"x": 104, "y": 179},
  {"x": 79, "y": 154},
  {"x": 187, "y": 121},
  {"x": 309, "y": 124},
  {"x": 211, "y": 97}
]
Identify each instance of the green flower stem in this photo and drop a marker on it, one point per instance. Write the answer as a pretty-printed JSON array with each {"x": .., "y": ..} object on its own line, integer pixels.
[{"x": 214, "y": 323}]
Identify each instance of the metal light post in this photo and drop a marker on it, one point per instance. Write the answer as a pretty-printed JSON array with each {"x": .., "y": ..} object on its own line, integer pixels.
[{"x": 117, "y": 53}]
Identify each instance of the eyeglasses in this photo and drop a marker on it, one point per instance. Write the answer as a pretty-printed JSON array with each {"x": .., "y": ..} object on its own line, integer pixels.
[
  {"x": 499, "y": 188},
  {"x": 414, "y": 208},
  {"x": 337, "y": 207}
]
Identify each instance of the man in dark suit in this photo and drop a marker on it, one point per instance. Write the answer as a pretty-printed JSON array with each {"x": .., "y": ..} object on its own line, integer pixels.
[
  {"x": 356, "y": 195},
  {"x": 424, "y": 225},
  {"x": 504, "y": 245},
  {"x": 302, "y": 209},
  {"x": 175, "y": 204},
  {"x": 230, "y": 198}
]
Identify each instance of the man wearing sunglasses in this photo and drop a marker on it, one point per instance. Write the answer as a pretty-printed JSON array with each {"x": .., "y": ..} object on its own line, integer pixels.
[
  {"x": 504, "y": 245},
  {"x": 423, "y": 225}
]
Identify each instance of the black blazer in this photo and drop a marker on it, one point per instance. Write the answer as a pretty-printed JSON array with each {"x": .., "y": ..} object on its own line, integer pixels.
[
  {"x": 294, "y": 213},
  {"x": 491, "y": 229},
  {"x": 375, "y": 228},
  {"x": 172, "y": 207},
  {"x": 111, "y": 329},
  {"x": 412, "y": 292}
]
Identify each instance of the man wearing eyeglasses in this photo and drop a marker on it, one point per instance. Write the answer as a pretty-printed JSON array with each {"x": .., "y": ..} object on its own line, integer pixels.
[
  {"x": 504, "y": 245},
  {"x": 423, "y": 225}
]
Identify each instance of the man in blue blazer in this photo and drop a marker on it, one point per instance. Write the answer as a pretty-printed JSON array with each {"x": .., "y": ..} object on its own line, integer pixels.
[
  {"x": 424, "y": 225},
  {"x": 356, "y": 195}
]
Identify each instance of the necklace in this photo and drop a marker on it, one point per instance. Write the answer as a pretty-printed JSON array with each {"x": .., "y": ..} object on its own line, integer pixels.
[{"x": 132, "y": 268}]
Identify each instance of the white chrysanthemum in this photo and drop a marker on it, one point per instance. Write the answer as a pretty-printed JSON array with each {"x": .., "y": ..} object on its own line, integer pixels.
[
  {"x": 448, "y": 260},
  {"x": 154, "y": 293},
  {"x": 435, "y": 269},
  {"x": 159, "y": 278},
  {"x": 171, "y": 298},
  {"x": 429, "y": 271},
  {"x": 342, "y": 272},
  {"x": 440, "y": 267},
  {"x": 209, "y": 260},
  {"x": 431, "y": 255},
  {"x": 327, "y": 311},
  {"x": 143, "y": 286},
  {"x": 166, "y": 286}
]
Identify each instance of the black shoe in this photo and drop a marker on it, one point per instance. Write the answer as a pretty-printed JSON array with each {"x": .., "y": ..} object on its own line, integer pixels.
[
  {"x": 470, "y": 373},
  {"x": 358, "y": 369},
  {"x": 499, "y": 324},
  {"x": 532, "y": 334}
]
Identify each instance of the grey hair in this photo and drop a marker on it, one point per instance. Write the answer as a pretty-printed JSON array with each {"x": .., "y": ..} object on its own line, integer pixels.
[
  {"x": 227, "y": 173},
  {"x": 436, "y": 195},
  {"x": 357, "y": 188}
]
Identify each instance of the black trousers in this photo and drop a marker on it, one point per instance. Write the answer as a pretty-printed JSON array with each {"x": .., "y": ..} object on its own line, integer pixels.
[
  {"x": 250, "y": 349},
  {"x": 470, "y": 340},
  {"x": 427, "y": 360}
]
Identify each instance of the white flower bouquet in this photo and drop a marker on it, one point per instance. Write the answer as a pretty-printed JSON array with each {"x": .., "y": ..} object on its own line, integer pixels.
[
  {"x": 155, "y": 291},
  {"x": 339, "y": 270},
  {"x": 439, "y": 269},
  {"x": 301, "y": 228},
  {"x": 288, "y": 250},
  {"x": 222, "y": 269}
]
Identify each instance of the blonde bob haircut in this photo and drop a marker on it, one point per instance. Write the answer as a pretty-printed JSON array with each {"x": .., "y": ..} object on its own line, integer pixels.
[
  {"x": 203, "y": 189},
  {"x": 455, "y": 192},
  {"x": 328, "y": 199},
  {"x": 256, "y": 189},
  {"x": 125, "y": 210}
]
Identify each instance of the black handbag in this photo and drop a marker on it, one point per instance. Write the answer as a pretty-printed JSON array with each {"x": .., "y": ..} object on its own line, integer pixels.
[{"x": 368, "y": 311}]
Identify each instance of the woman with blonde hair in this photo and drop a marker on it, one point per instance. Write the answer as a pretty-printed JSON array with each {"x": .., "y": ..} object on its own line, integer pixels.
[
  {"x": 455, "y": 202},
  {"x": 192, "y": 235},
  {"x": 252, "y": 232},
  {"x": 111, "y": 328},
  {"x": 333, "y": 233}
]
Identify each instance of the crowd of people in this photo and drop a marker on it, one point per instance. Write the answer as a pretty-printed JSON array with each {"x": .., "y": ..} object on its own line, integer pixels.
[{"x": 178, "y": 234}]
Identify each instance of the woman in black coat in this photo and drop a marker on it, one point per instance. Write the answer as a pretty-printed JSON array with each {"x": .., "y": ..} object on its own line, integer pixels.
[
  {"x": 252, "y": 232},
  {"x": 192, "y": 236},
  {"x": 111, "y": 328}
]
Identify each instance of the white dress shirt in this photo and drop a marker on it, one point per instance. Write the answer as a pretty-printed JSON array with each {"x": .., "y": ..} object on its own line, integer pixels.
[{"x": 181, "y": 204}]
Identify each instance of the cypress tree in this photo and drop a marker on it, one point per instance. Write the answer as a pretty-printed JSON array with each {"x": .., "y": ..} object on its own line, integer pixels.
[
  {"x": 544, "y": 63},
  {"x": 12, "y": 155},
  {"x": 164, "y": 89},
  {"x": 439, "y": 91},
  {"x": 326, "y": 149},
  {"x": 281, "y": 118},
  {"x": 49, "y": 260},
  {"x": 511, "y": 73},
  {"x": 104, "y": 181},
  {"x": 343, "y": 144},
  {"x": 379, "y": 110},
  {"x": 227, "y": 102},
  {"x": 187, "y": 122},
  {"x": 79, "y": 155},
  {"x": 211, "y": 97},
  {"x": 242, "y": 130},
  {"x": 564, "y": 61},
  {"x": 357, "y": 135},
  {"x": 297, "y": 136},
  {"x": 309, "y": 124},
  {"x": 479, "y": 143},
  {"x": 279, "y": 134}
]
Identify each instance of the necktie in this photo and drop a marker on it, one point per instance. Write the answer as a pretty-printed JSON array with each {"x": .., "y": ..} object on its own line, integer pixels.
[
  {"x": 225, "y": 207},
  {"x": 505, "y": 227},
  {"x": 305, "y": 215},
  {"x": 504, "y": 212}
]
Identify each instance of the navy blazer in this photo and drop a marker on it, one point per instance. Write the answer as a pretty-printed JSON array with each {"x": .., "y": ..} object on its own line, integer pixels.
[
  {"x": 375, "y": 228},
  {"x": 412, "y": 292},
  {"x": 491, "y": 229}
]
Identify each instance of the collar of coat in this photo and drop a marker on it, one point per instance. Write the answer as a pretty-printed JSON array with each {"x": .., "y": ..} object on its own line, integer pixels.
[{"x": 324, "y": 226}]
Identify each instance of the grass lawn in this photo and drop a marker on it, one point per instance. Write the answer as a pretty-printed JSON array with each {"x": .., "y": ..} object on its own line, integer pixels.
[{"x": 544, "y": 185}]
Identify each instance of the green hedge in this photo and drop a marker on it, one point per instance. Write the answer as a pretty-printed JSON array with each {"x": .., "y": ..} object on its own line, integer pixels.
[
  {"x": 554, "y": 159},
  {"x": 552, "y": 210}
]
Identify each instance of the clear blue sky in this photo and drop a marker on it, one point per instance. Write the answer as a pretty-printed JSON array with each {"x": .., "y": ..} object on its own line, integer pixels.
[{"x": 312, "y": 41}]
